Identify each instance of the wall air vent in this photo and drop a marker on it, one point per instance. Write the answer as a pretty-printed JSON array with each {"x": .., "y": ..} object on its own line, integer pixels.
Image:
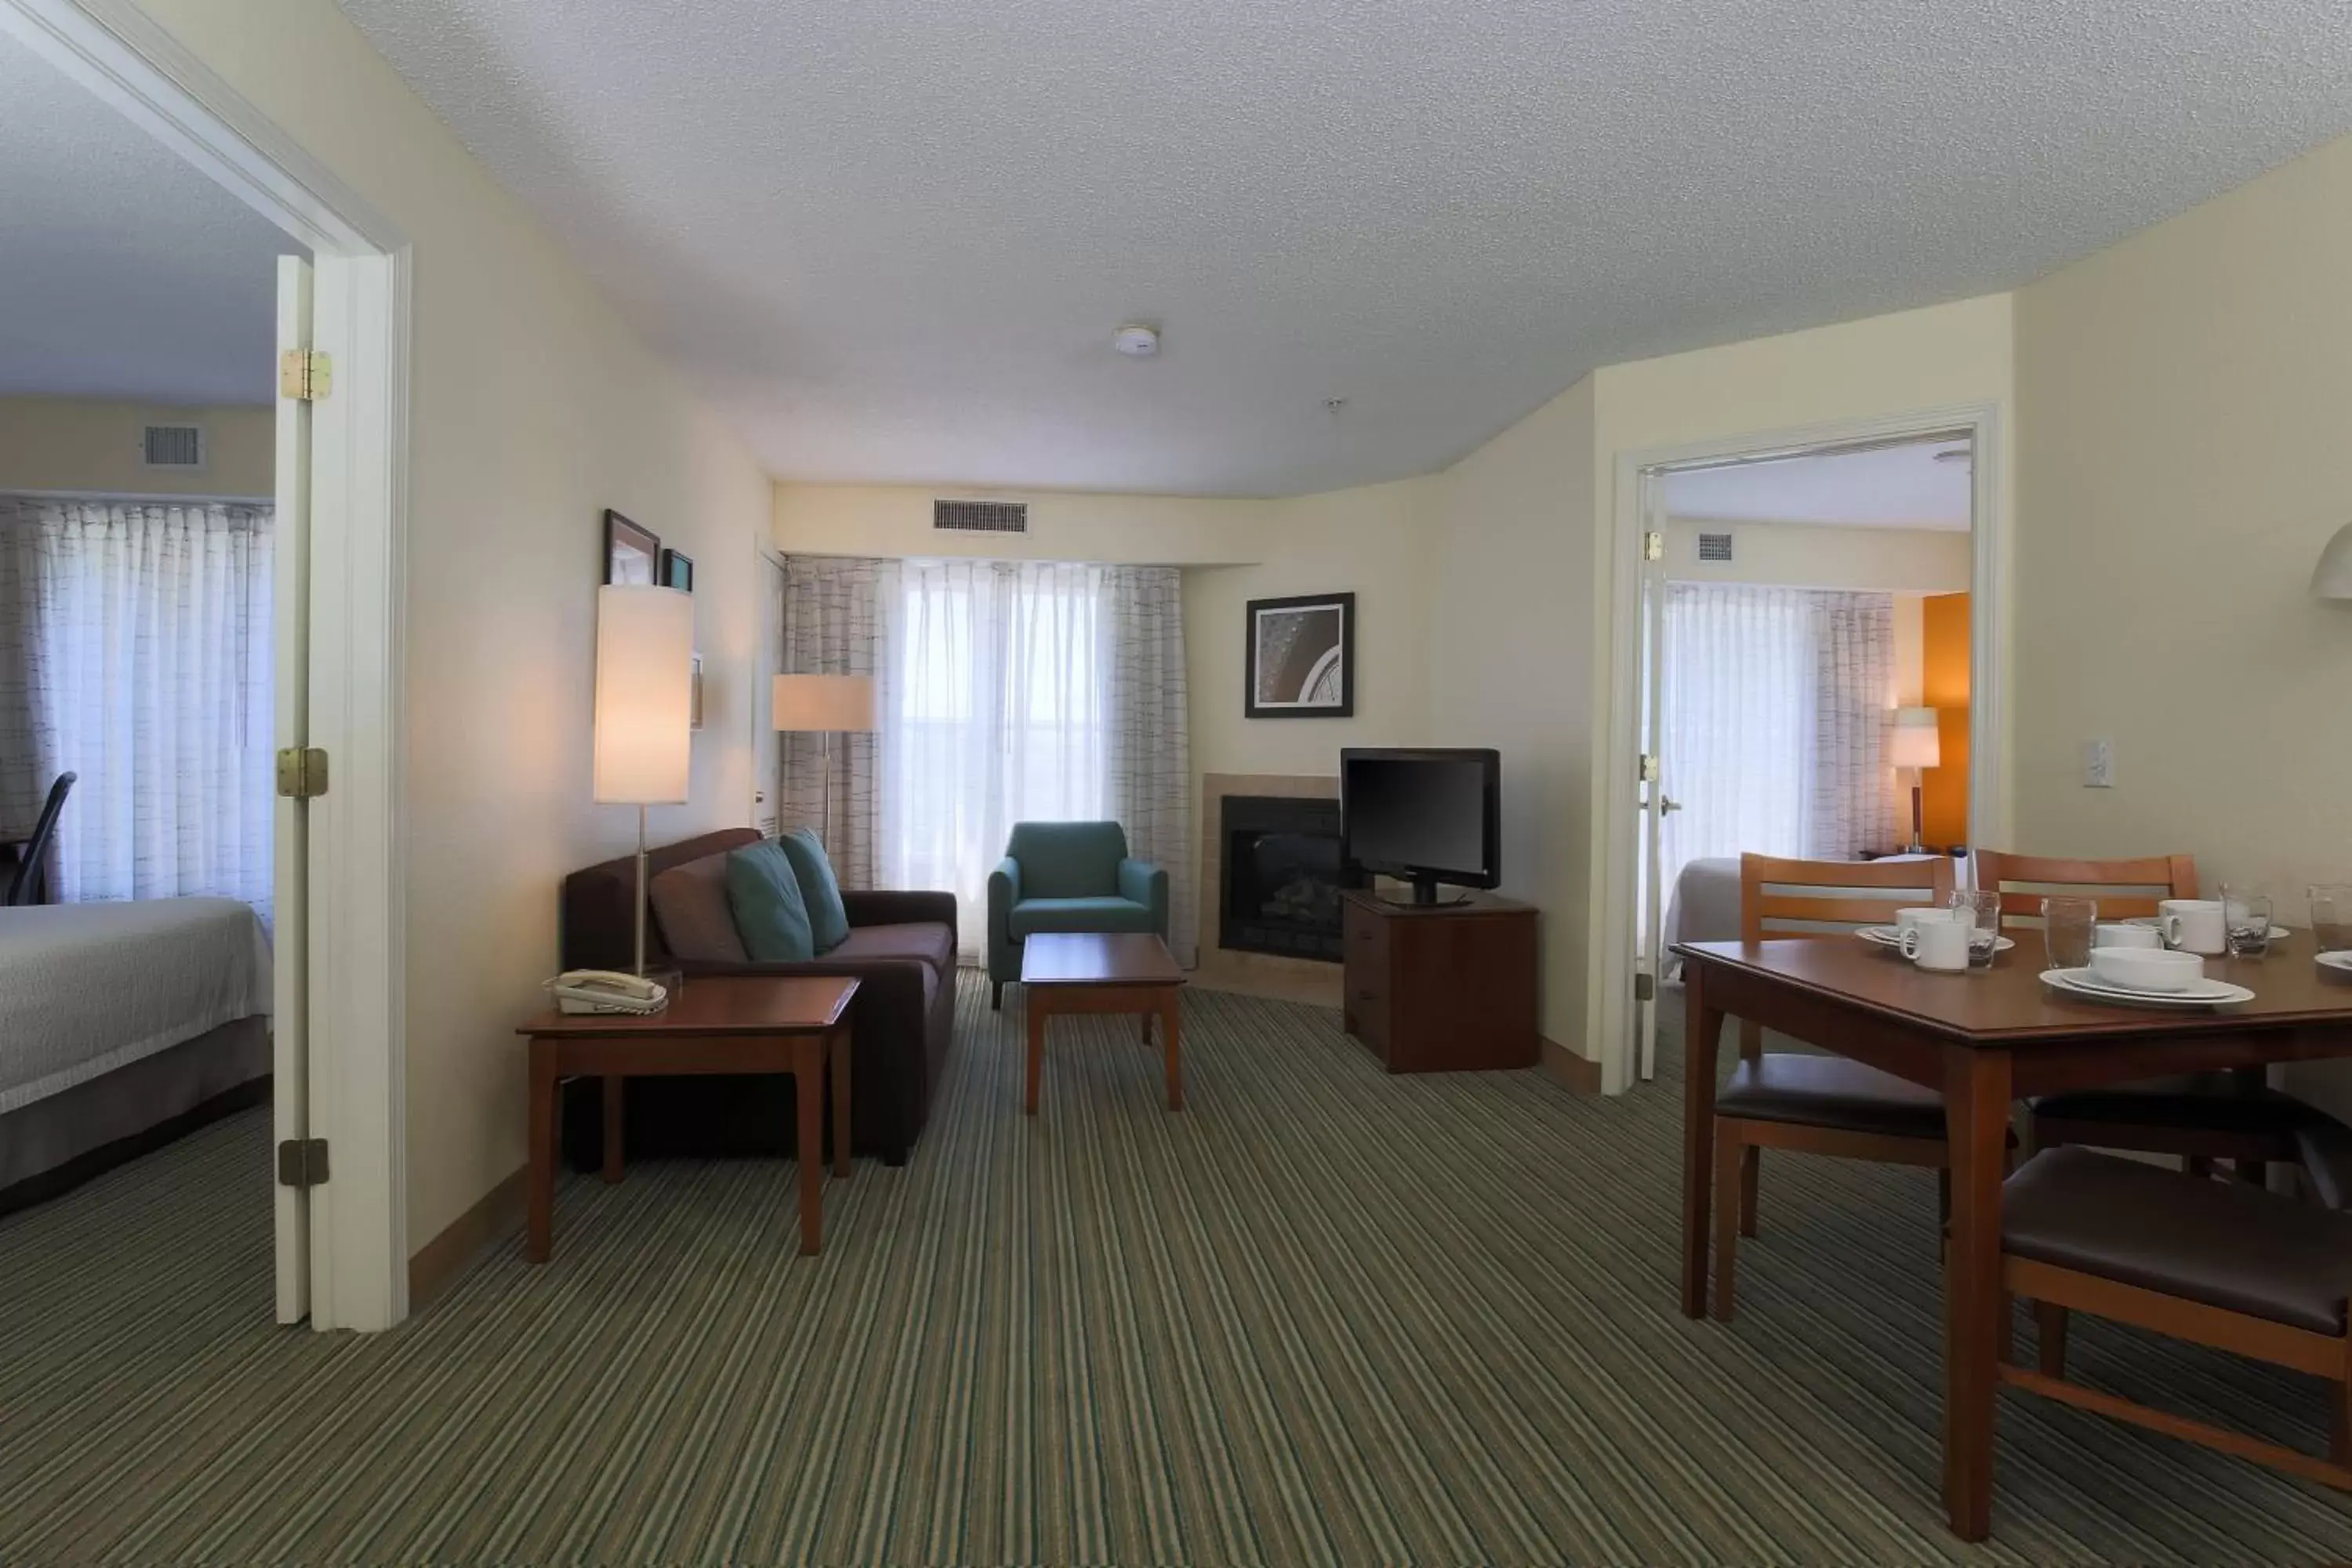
[
  {"x": 981, "y": 516},
  {"x": 174, "y": 446},
  {"x": 1715, "y": 547}
]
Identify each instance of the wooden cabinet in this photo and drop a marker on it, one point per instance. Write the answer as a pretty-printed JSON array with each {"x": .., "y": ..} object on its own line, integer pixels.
[{"x": 1443, "y": 988}]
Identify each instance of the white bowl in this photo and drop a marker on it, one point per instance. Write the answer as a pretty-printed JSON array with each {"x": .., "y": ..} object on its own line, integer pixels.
[{"x": 2147, "y": 968}]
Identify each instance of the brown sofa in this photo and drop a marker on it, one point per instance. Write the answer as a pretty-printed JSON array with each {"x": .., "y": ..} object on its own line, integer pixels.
[{"x": 901, "y": 947}]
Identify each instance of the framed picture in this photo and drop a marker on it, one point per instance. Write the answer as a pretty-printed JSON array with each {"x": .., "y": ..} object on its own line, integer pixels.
[
  {"x": 676, "y": 570},
  {"x": 1301, "y": 659},
  {"x": 632, "y": 554}
]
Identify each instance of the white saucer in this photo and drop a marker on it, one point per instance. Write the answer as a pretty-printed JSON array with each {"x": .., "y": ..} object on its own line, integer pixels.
[
  {"x": 2204, "y": 993},
  {"x": 1888, "y": 936},
  {"x": 2339, "y": 960},
  {"x": 2278, "y": 933}
]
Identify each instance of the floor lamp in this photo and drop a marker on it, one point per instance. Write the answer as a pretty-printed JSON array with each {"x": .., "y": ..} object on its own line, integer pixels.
[
  {"x": 1917, "y": 746},
  {"x": 645, "y": 693},
  {"x": 826, "y": 705}
]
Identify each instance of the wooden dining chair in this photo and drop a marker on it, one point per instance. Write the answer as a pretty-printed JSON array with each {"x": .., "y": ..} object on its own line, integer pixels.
[
  {"x": 2198, "y": 1117},
  {"x": 1817, "y": 1104},
  {"x": 2219, "y": 1264}
]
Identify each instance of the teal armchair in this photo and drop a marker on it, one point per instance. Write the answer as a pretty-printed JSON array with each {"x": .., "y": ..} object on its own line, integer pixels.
[{"x": 1066, "y": 876}]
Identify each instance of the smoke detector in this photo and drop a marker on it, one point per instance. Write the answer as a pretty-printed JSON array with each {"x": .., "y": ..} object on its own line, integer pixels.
[{"x": 1137, "y": 340}]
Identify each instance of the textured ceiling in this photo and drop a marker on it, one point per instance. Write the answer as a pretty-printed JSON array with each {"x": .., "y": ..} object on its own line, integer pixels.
[
  {"x": 123, "y": 272},
  {"x": 1886, "y": 487},
  {"x": 894, "y": 240}
]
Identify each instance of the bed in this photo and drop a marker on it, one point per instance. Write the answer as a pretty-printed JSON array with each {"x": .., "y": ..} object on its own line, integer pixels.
[
  {"x": 1705, "y": 905},
  {"x": 122, "y": 1025}
]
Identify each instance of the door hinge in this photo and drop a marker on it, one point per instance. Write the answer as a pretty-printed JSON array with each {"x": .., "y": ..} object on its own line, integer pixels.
[
  {"x": 1649, "y": 768},
  {"x": 301, "y": 773},
  {"x": 1644, "y": 987},
  {"x": 301, "y": 1162},
  {"x": 1653, "y": 546},
  {"x": 306, "y": 375}
]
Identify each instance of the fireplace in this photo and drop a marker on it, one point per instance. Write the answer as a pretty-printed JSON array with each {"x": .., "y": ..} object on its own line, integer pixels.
[{"x": 1281, "y": 876}]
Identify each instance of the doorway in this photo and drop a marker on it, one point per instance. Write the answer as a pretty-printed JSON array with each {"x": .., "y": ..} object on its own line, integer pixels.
[{"x": 1810, "y": 651}]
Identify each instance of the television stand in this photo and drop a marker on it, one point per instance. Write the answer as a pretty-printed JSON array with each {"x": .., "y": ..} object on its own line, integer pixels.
[{"x": 1441, "y": 987}]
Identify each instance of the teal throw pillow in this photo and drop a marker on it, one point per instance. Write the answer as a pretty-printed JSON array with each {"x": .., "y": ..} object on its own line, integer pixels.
[
  {"x": 764, "y": 896},
  {"x": 820, "y": 891}
]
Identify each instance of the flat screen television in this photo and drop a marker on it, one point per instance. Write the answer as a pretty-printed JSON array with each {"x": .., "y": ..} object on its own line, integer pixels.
[{"x": 1423, "y": 816}]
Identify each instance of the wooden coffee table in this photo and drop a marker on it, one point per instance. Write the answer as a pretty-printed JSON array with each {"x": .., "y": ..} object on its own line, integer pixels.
[
  {"x": 745, "y": 1024},
  {"x": 1088, "y": 972}
]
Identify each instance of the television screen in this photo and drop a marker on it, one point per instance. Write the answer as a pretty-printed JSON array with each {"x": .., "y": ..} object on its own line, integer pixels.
[{"x": 1427, "y": 815}]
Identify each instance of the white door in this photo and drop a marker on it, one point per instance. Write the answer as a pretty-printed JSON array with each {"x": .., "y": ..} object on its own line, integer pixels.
[
  {"x": 1656, "y": 770},
  {"x": 290, "y": 596},
  {"x": 767, "y": 754}
]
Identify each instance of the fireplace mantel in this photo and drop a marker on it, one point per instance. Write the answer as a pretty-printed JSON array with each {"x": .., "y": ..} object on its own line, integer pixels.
[{"x": 1223, "y": 968}]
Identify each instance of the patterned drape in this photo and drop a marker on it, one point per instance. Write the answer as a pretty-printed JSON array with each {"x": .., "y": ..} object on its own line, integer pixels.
[
  {"x": 1853, "y": 792},
  {"x": 1007, "y": 690},
  {"x": 135, "y": 651}
]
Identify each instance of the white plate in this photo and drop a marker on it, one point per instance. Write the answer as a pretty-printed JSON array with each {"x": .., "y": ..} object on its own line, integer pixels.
[
  {"x": 2278, "y": 933},
  {"x": 1888, "y": 936},
  {"x": 2338, "y": 961},
  {"x": 2204, "y": 993}
]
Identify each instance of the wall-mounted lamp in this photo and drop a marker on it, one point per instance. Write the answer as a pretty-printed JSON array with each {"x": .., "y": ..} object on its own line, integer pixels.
[{"x": 2332, "y": 578}]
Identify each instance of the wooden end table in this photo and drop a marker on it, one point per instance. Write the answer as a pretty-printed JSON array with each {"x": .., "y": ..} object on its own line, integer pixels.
[
  {"x": 1097, "y": 972},
  {"x": 737, "y": 1024}
]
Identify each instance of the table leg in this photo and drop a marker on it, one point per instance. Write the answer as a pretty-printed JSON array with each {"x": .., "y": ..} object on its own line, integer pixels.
[
  {"x": 614, "y": 1085},
  {"x": 1702, "y": 1031},
  {"x": 541, "y": 1235},
  {"x": 1036, "y": 1065},
  {"x": 1170, "y": 1009},
  {"x": 1976, "y": 1110},
  {"x": 839, "y": 1049},
  {"x": 1147, "y": 1029},
  {"x": 808, "y": 1103}
]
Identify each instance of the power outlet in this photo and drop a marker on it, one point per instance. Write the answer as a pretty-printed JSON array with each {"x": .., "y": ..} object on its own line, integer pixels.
[{"x": 2098, "y": 766}]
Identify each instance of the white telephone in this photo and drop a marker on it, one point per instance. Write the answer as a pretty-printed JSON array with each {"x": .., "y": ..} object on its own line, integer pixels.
[{"x": 605, "y": 991}]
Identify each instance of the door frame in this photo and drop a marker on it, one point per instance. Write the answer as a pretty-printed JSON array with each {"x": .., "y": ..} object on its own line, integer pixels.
[
  {"x": 358, "y": 508},
  {"x": 1616, "y": 912}
]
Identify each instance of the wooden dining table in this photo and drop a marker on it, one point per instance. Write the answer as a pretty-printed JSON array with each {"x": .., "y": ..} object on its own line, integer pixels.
[{"x": 1985, "y": 1038}]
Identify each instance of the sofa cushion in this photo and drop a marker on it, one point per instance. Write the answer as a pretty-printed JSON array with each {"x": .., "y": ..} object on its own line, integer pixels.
[
  {"x": 690, "y": 905},
  {"x": 932, "y": 942},
  {"x": 765, "y": 899},
  {"x": 1067, "y": 859},
  {"x": 820, "y": 893},
  {"x": 1031, "y": 916}
]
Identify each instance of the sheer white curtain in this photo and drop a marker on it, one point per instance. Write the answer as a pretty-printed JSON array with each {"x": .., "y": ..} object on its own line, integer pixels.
[
  {"x": 1027, "y": 690},
  {"x": 142, "y": 660},
  {"x": 1775, "y": 707}
]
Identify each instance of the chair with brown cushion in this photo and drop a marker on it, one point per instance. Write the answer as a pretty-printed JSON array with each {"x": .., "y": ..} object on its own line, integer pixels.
[
  {"x": 1809, "y": 1104},
  {"x": 2219, "y": 1264},
  {"x": 2200, "y": 1117}
]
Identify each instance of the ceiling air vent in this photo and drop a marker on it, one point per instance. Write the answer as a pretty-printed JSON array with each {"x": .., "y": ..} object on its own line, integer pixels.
[
  {"x": 981, "y": 516},
  {"x": 1715, "y": 547},
  {"x": 174, "y": 446}
]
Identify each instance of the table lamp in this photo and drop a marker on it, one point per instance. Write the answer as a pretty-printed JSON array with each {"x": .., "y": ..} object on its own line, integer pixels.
[
  {"x": 826, "y": 705},
  {"x": 1915, "y": 745},
  {"x": 644, "y": 691}
]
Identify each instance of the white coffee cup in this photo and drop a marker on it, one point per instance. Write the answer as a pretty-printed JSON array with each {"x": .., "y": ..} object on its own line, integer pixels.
[
  {"x": 2145, "y": 968},
  {"x": 1906, "y": 918},
  {"x": 2192, "y": 925},
  {"x": 2110, "y": 934},
  {"x": 1937, "y": 944}
]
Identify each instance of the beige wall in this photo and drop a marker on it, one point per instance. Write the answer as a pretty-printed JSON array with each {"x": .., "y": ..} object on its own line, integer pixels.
[
  {"x": 1809, "y": 555},
  {"x": 2183, "y": 401},
  {"x": 533, "y": 409},
  {"x": 890, "y": 520},
  {"x": 82, "y": 444}
]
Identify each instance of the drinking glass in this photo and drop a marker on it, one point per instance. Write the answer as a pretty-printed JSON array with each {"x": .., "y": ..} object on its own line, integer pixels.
[
  {"x": 1982, "y": 910},
  {"x": 2246, "y": 921},
  {"x": 2331, "y": 916},
  {"x": 2067, "y": 924}
]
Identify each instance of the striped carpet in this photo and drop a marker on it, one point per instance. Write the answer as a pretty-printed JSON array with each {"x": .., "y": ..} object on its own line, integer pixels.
[{"x": 1323, "y": 1316}]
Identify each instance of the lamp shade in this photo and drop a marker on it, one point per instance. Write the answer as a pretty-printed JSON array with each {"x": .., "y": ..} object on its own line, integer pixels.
[
  {"x": 2332, "y": 578},
  {"x": 1916, "y": 743},
  {"x": 644, "y": 695},
  {"x": 809, "y": 703}
]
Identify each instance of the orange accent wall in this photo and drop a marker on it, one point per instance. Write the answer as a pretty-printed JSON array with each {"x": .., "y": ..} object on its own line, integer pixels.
[{"x": 1944, "y": 686}]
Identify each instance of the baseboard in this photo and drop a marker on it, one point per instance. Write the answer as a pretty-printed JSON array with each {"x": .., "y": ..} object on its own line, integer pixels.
[
  {"x": 437, "y": 1264},
  {"x": 1579, "y": 1074}
]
